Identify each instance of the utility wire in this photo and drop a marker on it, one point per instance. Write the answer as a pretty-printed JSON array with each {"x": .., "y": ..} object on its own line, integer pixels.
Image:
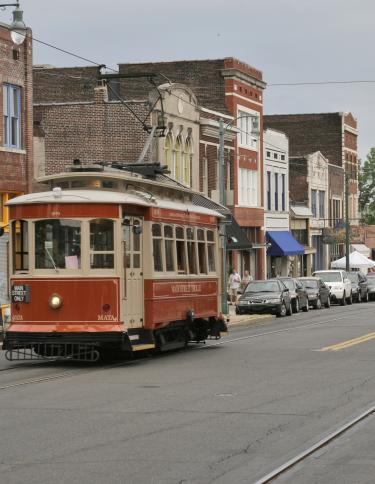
[{"x": 321, "y": 83}]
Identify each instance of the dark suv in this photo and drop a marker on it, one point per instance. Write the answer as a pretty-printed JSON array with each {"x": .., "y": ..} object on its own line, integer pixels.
[
  {"x": 359, "y": 286},
  {"x": 298, "y": 294},
  {"x": 271, "y": 296}
]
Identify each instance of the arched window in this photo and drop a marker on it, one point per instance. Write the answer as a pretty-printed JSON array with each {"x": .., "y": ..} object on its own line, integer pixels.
[
  {"x": 187, "y": 162},
  {"x": 168, "y": 153},
  {"x": 177, "y": 159}
]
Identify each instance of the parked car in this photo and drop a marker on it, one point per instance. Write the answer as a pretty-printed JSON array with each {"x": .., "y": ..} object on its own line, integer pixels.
[
  {"x": 318, "y": 292},
  {"x": 371, "y": 288},
  {"x": 298, "y": 294},
  {"x": 271, "y": 296},
  {"x": 339, "y": 285},
  {"x": 359, "y": 286}
]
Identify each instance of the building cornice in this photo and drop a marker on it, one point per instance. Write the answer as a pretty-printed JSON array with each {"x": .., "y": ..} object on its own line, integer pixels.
[{"x": 237, "y": 74}]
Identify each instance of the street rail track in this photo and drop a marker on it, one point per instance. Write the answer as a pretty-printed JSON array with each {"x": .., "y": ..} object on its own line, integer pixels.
[
  {"x": 309, "y": 451},
  {"x": 78, "y": 372}
]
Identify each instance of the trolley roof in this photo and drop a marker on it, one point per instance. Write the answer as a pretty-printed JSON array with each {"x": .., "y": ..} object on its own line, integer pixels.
[{"x": 57, "y": 195}]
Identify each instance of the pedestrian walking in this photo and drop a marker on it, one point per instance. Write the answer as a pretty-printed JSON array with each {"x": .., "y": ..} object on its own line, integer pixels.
[
  {"x": 247, "y": 277},
  {"x": 234, "y": 283}
]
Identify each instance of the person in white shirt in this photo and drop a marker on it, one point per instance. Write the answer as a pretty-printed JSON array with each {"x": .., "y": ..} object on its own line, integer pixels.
[
  {"x": 247, "y": 277},
  {"x": 234, "y": 283}
]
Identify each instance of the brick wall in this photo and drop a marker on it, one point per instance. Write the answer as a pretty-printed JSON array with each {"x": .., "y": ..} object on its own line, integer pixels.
[
  {"x": 308, "y": 133},
  {"x": 94, "y": 131},
  {"x": 298, "y": 184},
  {"x": 16, "y": 165}
]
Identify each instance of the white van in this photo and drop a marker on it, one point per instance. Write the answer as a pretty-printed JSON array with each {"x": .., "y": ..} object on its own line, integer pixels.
[{"x": 339, "y": 285}]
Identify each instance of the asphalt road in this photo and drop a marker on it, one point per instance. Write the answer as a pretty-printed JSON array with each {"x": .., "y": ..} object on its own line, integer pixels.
[{"x": 229, "y": 412}]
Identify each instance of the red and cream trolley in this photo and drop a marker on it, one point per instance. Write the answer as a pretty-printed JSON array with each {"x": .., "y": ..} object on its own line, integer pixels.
[{"x": 109, "y": 261}]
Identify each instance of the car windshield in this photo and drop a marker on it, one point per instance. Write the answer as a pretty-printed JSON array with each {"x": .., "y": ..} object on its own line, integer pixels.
[
  {"x": 329, "y": 276},
  {"x": 309, "y": 283},
  {"x": 289, "y": 284},
  {"x": 262, "y": 286}
]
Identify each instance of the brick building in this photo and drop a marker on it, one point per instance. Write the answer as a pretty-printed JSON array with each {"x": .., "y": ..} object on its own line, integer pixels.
[
  {"x": 231, "y": 87},
  {"x": 16, "y": 139},
  {"x": 209, "y": 90},
  {"x": 335, "y": 136}
]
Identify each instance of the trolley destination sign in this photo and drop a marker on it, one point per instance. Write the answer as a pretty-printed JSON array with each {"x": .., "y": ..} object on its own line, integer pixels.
[{"x": 20, "y": 293}]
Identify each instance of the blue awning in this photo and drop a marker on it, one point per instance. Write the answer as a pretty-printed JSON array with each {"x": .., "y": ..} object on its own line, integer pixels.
[{"x": 283, "y": 243}]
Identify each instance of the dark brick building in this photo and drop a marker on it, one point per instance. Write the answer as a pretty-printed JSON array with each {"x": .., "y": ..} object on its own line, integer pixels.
[
  {"x": 335, "y": 136},
  {"x": 16, "y": 137}
]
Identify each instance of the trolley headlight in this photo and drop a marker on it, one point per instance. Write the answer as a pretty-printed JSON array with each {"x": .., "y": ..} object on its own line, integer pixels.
[{"x": 55, "y": 301}]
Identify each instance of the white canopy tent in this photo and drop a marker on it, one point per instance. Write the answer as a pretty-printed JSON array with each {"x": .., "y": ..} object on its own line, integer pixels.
[{"x": 356, "y": 261}]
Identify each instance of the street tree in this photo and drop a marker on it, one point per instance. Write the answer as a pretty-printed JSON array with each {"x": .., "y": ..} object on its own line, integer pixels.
[{"x": 366, "y": 181}]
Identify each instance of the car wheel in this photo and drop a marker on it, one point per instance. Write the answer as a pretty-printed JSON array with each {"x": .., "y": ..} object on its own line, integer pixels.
[
  {"x": 343, "y": 300},
  {"x": 318, "y": 303},
  {"x": 296, "y": 306},
  {"x": 282, "y": 311},
  {"x": 328, "y": 303},
  {"x": 350, "y": 299}
]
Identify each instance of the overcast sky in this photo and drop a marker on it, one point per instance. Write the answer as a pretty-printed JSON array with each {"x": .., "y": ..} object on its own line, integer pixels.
[{"x": 289, "y": 40}]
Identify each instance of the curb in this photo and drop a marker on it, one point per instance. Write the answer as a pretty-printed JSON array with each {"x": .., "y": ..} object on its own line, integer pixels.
[{"x": 249, "y": 320}]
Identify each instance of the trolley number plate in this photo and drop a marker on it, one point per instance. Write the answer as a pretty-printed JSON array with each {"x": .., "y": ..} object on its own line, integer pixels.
[{"x": 20, "y": 293}]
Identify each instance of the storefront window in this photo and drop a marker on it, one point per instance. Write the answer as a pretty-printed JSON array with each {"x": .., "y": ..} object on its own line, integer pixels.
[{"x": 58, "y": 244}]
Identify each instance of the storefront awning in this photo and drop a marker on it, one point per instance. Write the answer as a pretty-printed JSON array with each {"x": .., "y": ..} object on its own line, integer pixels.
[
  {"x": 236, "y": 236},
  {"x": 300, "y": 211},
  {"x": 283, "y": 243}
]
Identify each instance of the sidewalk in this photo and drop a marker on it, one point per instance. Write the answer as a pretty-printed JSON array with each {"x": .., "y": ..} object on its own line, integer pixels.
[{"x": 245, "y": 319}]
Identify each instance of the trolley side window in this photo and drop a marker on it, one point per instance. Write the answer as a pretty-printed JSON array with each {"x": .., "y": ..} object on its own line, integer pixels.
[
  {"x": 102, "y": 244},
  {"x": 169, "y": 248},
  {"x": 202, "y": 258},
  {"x": 58, "y": 244},
  {"x": 180, "y": 250},
  {"x": 157, "y": 247},
  {"x": 211, "y": 251},
  {"x": 20, "y": 244},
  {"x": 191, "y": 252}
]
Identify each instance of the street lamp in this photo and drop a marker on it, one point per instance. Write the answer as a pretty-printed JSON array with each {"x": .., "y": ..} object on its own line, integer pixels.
[
  {"x": 18, "y": 29},
  {"x": 222, "y": 129}
]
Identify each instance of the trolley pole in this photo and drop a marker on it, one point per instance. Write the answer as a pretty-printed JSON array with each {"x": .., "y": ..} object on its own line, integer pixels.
[
  {"x": 347, "y": 223},
  {"x": 224, "y": 302}
]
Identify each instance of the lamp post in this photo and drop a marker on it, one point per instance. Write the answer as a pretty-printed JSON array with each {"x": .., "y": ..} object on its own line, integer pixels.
[
  {"x": 222, "y": 129},
  {"x": 18, "y": 29}
]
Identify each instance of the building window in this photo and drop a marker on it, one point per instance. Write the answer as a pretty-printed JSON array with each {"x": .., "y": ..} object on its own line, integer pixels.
[
  {"x": 322, "y": 208},
  {"x": 187, "y": 162},
  {"x": 248, "y": 187},
  {"x": 336, "y": 211},
  {"x": 282, "y": 157},
  {"x": 313, "y": 203},
  {"x": 268, "y": 190},
  {"x": 168, "y": 153},
  {"x": 283, "y": 192},
  {"x": 275, "y": 155},
  {"x": 12, "y": 116},
  {"x": 268, "y": 154},
  {"x": 246, "y": 125},
  {"x": 276, "y": 191},
  {"x": 178, "y": 154}
]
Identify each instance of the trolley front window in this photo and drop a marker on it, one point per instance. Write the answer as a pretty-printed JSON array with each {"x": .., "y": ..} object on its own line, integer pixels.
[
  {"x": 20, "y": 244},
  {"x": 58, "y": 244},
  {"x": 101, "y": 244}
]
